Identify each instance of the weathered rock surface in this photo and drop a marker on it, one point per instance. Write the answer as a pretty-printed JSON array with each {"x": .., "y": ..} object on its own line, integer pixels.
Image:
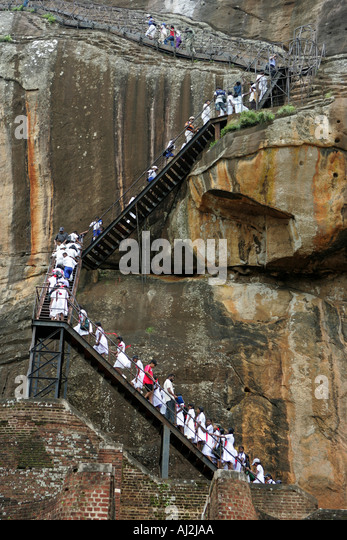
[
  {"x": 278, "y": 193},
  {"x": 266, "y": 350},
  {"x": 272, "y": 20}
]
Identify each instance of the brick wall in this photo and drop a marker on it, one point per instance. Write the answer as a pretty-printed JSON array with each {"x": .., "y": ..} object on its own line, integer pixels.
[
  {"x": 85, "y": 495},
  {"x": 55, "y": 465},
  {"x": 282, "y": 501},
  {"x": 158, "y": 499},
  {"x": 230, "y": 498}
]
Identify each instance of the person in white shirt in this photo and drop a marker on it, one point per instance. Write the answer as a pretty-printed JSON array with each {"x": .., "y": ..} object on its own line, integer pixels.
[
  {"x": 75, "y": 247},
  {"x": 220, "y": 101},
  {"x": 59, "y": 306},
  {"x": 253, "y": 96},
  {"x": 157, "y": 396},
  {"x": 52, "y": 281},
  {"x": 97, "y": 227},
  {"x": 73, "y": 236},
  {"x": 83, "y": 328},
  {"x": 215, "y": 446},
  {"x": 122, "y": 362},
  {"x": 169, "y": 398},
  {"x": 261, "y": 82},
  {"x": 101, "y": 345},
  {"x": 152, "y": 28},
  {"x": 69, "y": 265},
  {"x": 58, "y": 254},
  {"x": 152, "y": 173},
  {"x": 189, "y": 425},
  {"x": 163, "y": 33},
  {"x": 229, "y": 452},
  {"x": 190, "y": 130},
  {"x": 200, "y": 423},
  {"x": 206, "y": 112},
  {"x": 180, "y": 413},
  {"x": 259, "y": 473},
  {"x": 209, "y": 441},
  {"x": 241, "y": 459},
  {"x": 137, "y": 382},
  {"x": 230, "y": 103},
  {"x": 268, "y": 479}
]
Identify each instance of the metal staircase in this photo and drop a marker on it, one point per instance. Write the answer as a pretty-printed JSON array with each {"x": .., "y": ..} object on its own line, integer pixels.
[
  {"x": 47, "y": 352},
  {"x": 147, "y": 196},
  {"x": 54, "y": 340},
  {"x": 277, "y": 88}
]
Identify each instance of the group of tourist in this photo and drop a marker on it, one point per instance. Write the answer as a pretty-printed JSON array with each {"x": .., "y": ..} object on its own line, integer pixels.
[
  {"x": 216, "y": 443},
  {"x": 225, "y": 103},
  {"x": 231, "y": 101},
  {"x": 67, "y": 250},
  {"x": 169, "y": 35}
]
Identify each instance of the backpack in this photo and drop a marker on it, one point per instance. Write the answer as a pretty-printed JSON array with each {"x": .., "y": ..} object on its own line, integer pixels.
[
  {"x": 237, "y": 91},
  {"x": 218, "y": 449},
  {"x": 85, "y": 325},
  {"x": 55, "y": 287},
  {"x": 189, "y": 126}
]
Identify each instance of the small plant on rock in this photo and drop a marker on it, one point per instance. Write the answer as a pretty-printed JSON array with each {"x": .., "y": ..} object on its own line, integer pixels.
[
  {"x": 49, "y": 18},
  {"x": 286, "y": 110},
  {"x": 5, "y": 39}
]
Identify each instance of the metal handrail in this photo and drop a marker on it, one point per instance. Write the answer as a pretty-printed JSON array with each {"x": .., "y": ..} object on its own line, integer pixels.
[
  {"x": 141, "y": 183},
  {"x": 74, "y": 321}
]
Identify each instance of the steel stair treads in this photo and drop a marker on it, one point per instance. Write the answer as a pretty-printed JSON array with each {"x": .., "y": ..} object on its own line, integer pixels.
[
  {"x": 151, "y": 196},
  {"x": 129, "y": 393},
  {"x": 100, "y": 248},
  {"x": 142, "y": 209},
  {"x": 161, "y": 190},
  {"x": 114, "y": 238},
  {"x": 198, "y": 146},
  {"x": 116, "y": 233},
  {"x": 121, "y": 229},
  {"x": 103, "y": 249},
  {"x": 169, "y": 181},
  {"x": 131, "y": 217},
  {"x": 123, "y": 222},
  {"x": 180, "y": 167}
]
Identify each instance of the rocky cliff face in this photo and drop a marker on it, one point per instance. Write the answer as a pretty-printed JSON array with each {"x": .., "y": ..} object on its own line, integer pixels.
[
  {"x": 265, "y": 351},
  {"x": 277, "y": 193},
  {"x": 272, "y": 20}
]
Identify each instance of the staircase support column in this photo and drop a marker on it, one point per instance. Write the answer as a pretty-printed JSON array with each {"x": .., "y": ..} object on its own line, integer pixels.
[{"x": 165, "y": 452}]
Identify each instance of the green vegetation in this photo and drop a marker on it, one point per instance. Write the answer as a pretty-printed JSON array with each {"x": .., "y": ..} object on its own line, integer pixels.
[
  {"x": 6, "y": 38},
  {"x": 249, "y": 119},
  {"x": 149, "y": 330},
  {"x": 17, "y": 8},
  {"x": 254, "y": 118},
  {"x": 50, "y": 18},
  {"x": 286, "y": 110}
]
